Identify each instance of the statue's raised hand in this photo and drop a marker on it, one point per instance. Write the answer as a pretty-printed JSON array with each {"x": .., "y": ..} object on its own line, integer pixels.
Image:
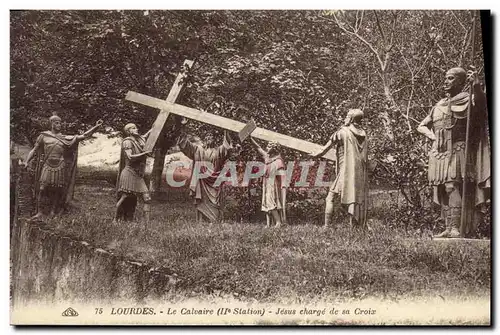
[
  {"x": 99, "y": 123},
  {"x": 472, "y": 75}
]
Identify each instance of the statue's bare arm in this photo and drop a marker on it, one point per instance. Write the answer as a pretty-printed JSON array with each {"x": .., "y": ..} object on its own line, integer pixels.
[
  {"x": 478, "y": 93},
  {"x": 324, "y": 149},
  {"x": 423, "y": 128},
  {"x": 479, "y": 97},
  {"x": 127, "y": 149},
  {"x": 147, "y": 134},
  {"x": 261, "y": 151},
  {"x": 30, "y": 156},
  {"x": 36, "y": 147},
  {"x": 131, "y": 156},
  {"x": 89, "y": 132}
]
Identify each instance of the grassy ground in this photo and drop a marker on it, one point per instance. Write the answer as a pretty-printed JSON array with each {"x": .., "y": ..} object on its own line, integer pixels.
[{"x": 302, "y": 261}]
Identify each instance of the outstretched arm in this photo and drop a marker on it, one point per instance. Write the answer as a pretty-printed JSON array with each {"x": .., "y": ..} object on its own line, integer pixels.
[
  {"x": 89, "y": 132},
  {"x": 479, "y": 96},
  {"x": 261, "y": 151},
  {"x": 186, "y": 147},
  {"x": 127, "y": 149},
  {"x": 133, "y": 157},
  {"x": 228, "y": 139},
  {"x": 230, "y": 147},
  {"x": 324, "y": 149},
  {"x": 147, "y": 134}
]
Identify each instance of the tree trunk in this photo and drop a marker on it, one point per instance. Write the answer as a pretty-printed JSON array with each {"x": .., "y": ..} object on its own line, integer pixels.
[
  {"x": 166, "y": 139},
  {"x": 384, "y": 115},
  {"x": 157, "y": 171}
]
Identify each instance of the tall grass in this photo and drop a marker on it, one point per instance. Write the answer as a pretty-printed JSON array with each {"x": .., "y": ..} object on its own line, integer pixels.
[{"x": 302, "y": 261}]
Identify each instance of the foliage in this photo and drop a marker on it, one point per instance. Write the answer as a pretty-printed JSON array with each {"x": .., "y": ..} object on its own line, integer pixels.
[
  {"x": 407, "y": 53},
  {"x": 294, "y": 72}
]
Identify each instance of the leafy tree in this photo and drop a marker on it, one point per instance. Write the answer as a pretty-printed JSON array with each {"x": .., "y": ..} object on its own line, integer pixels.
[{"x": 294, "y": 72}]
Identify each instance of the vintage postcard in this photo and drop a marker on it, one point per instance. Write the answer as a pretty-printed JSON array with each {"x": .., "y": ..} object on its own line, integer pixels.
[{"x": 250, "y": 167}]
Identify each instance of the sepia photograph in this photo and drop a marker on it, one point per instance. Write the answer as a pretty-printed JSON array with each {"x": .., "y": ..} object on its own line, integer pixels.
[{"x": 250, "y": 167}]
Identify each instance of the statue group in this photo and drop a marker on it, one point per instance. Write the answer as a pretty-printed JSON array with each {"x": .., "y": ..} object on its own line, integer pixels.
[{"x": 458, "y": 169}]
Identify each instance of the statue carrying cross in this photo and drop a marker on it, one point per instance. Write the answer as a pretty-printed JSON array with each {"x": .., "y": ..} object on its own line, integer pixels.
[{"x": 206, "y": 193}]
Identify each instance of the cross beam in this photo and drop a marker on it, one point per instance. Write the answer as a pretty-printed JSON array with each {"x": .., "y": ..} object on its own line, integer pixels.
[
  {"x": 229, "y": 124},
  {"x": 165, "y": 112}
]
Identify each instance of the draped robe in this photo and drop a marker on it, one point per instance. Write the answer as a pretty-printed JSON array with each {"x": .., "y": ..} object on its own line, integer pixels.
[
  {"x": 272, "y": 197},
  {"x": 351, "y": 182},
  {"x": 207, "y": 196}
]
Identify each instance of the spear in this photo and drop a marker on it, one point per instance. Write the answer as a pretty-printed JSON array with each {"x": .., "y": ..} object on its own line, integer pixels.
[{"x": 465, "y": 183}]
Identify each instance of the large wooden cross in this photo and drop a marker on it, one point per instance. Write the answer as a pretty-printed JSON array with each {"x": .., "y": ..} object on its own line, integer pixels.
[
  {"x": 165, "y": 112},
  {"x": 169, "y": 106}
]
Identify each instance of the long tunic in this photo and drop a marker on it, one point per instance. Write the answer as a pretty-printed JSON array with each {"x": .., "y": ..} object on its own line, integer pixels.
[
  {"x": 132, "y": 170},
  {"x": 207, "y": 197},
  {"x": 351, "y": 182},
  {"x": 272, "y": 197}
]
